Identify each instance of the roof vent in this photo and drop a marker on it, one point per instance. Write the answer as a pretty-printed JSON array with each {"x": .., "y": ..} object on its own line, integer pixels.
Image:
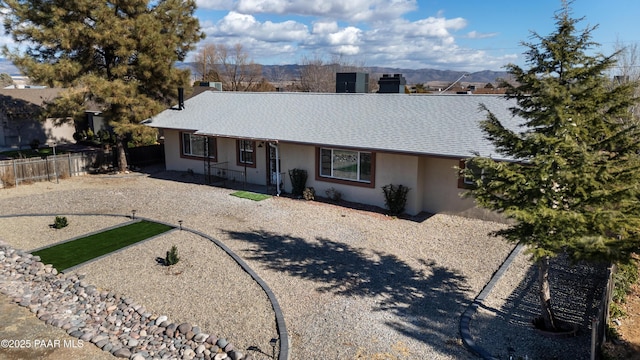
[
  {"x": 353, "y": 82},
  {"x": 392, "y": 84}
]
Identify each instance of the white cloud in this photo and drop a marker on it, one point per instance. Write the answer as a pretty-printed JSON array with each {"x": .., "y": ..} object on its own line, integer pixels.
[
  {"x": 349, "y": 50},
  {"x": 322, "y": 27},
  {"x": 348, "y": 36},
  {"x": 347, "y": 10},
  {"x": 215, "y": 4},
  {"x": 376, "y": 38},
  {"x": 240, "y": 25},
  {"x": 476, "y": 35}
]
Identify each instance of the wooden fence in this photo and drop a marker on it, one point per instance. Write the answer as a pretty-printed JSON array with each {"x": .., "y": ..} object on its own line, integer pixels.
[
  {"x": 600, "y": 322},
  {"x": 50, "y": 168}
]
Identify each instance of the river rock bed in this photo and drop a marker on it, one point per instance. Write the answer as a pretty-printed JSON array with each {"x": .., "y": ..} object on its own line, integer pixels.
[{"x": 113, "y": 323}]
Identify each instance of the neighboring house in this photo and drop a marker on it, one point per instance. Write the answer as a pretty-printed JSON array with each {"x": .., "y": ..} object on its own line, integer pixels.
[
  {"x": 19, "y": 119},
  {"x": 20, "y": 110},
  {"x": 353, "y": 143}
]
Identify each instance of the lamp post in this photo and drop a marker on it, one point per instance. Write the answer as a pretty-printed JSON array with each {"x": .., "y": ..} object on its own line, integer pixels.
[
  {"x": 133, "y": 214},
  {"x": 273, "y": 343}
]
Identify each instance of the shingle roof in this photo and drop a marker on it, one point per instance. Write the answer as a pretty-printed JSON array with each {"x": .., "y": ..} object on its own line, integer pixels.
[
  {"x": 438, "y": 125},
  {"x": 38, "y": 96}
]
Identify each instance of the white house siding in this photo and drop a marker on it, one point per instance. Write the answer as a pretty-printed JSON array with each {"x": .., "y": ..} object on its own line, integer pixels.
[
  {"x": 389, "y": 169},
  {"x": 21, "y": 133},
  {"x": 173, "y": 161},
  {"x": 433, "y": 182},
  {"x": 226, "y": 153},
  {"x": 441, "y": 193},
  {"x": 440, "y": 187}
]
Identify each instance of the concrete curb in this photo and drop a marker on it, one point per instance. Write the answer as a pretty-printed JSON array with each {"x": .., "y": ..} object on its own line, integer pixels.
[
  {"x": 465, "y": 319},
  {"x": 284, "y": 353}
]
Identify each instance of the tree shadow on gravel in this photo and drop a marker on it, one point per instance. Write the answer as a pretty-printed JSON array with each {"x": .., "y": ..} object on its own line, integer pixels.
[
  {"x": 426, "y": 304},
  {"x": 576, "y": 291}
]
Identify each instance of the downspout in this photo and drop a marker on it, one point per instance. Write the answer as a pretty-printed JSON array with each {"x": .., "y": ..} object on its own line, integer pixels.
[{"x": 277, "y": 168}]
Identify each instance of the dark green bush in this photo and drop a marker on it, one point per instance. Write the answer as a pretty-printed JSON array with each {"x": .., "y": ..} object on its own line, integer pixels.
[
  {"x": 298, "y": 181},
  {"x": 172, "y": 257},
  {"x": 60, "y": 222},
  {"x": 395, "y": 198},
  {"x": 333, "y": 194}
]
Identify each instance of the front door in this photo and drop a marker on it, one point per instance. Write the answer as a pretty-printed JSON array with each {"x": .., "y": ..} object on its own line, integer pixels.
[{"x": 273, "y": 173}]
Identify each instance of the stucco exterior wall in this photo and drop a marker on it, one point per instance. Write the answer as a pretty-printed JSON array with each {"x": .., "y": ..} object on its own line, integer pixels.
[
  {"x": 441, "y": 193},
  {"x": 20, "y": 133},
  {"x": 433, "y": 182},
  {"x": 226, "y": 153},
  {"x": 389, "y": 169}
]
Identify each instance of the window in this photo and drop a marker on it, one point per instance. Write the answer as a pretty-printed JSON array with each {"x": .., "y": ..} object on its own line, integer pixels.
[
  {"x": 349, "y": 165},
  {"x": 246, "y": 154},
  {"x": 467, "y": 182},
  {"x": 198, "y": 146}
]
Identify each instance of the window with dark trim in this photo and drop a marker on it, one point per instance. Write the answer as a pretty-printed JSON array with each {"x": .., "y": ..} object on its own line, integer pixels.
[
  {"x": 342, "y": 165},
  {"x": 198, "y": 146},
  {"x": 246, "y": 155},
  {"x": 467, "y": 182}
]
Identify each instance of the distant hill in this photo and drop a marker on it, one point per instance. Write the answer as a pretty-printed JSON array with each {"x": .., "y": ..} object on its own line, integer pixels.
[
  {"x": 292, "y": 71},
  {"x": 413, "y": 76},
  {"x": 418, "y": 76}
]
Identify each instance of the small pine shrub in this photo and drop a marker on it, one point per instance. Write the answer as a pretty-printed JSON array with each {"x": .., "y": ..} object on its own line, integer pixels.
[
  {"x": 333, "y": 194},
  {"x": 395, "y": 198},
  {"x": 60, "y": 222},
  {"x": 309, "y": 193},
  {"x": 172, "y": 257}
]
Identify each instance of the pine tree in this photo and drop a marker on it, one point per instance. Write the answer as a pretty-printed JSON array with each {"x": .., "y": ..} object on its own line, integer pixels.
[
  {"x": 573, "y": 186},
  {"x": 119, "y": 55}
]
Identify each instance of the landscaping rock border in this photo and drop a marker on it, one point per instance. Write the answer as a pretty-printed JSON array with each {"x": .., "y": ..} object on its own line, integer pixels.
[
  {"x": 283, "y": 338},
  {"x": 113, "y": 323}
]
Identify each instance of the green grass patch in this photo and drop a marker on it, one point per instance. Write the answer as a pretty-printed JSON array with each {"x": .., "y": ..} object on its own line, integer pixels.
[
  {"x": 250, "y": 195},
  {"x": 75, "y": 252}
]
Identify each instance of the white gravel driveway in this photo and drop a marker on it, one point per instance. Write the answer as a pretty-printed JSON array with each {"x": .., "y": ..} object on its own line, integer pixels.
[{"x": 351, "y": 284}]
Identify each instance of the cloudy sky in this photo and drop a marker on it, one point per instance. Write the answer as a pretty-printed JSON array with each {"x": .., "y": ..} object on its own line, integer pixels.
[{"x": 464, "y": 35}]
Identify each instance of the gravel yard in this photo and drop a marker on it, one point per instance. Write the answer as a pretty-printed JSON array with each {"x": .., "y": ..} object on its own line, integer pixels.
[{"x": 352, "y": 284}]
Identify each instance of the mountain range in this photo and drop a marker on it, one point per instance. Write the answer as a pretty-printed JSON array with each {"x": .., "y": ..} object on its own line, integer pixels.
[{"x": 413, "y": 76}]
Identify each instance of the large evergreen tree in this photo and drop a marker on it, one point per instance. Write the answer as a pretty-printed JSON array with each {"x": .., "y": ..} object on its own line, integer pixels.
[
  {"x": 120, "y": 54},
  {"x": 573, "y": 186}
]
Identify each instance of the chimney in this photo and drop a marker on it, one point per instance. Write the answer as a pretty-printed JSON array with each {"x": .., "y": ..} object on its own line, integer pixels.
[
  {"x": 353, "y": 82},
  {"x": 180, "y": 98},
  {"x": 392, "y": 84}
]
